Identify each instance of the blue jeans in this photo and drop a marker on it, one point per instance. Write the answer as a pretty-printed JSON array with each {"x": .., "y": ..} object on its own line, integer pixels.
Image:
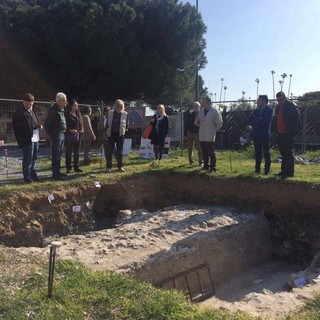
[
  {"x": 57, "y": 144},
  {"x": 29, "y": 157}
]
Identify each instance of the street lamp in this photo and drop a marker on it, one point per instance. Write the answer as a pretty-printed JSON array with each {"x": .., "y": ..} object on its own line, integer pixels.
[
  {"x": 215, "y": 97},
  {"x": 224, "y": 96},
  {"x": 197, "y": 68}
]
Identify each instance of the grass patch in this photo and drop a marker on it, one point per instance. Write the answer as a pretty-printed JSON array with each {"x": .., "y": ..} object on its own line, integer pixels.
[
  {"x": 230, "y": 164},
  {"x": 80, "y": 293}
]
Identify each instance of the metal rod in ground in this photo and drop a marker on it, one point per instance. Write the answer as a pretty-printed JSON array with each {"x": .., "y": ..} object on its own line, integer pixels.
[{"x": 52, "y": 259}]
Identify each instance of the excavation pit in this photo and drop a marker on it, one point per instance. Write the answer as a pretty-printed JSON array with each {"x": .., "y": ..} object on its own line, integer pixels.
[{"x": 268, "y": 226}]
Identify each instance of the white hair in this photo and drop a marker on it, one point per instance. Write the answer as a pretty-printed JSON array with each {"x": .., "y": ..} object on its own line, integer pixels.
[
  {"x": 61, "y": 96},
  {"x": 197, "y": 103}
]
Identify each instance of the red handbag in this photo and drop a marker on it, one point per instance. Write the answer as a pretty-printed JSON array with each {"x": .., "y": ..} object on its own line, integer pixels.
[{"x": 147, "y": 131}]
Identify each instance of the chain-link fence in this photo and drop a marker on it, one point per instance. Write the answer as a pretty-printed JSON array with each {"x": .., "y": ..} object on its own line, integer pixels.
[{"x": 234, "y": 124}]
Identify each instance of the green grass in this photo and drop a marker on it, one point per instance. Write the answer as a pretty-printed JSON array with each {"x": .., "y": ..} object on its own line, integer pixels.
[
  {"x": 83, "y": 294},
  {"x": 230, "y": 164}
]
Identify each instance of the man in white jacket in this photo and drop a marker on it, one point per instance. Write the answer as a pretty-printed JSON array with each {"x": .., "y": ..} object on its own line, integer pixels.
[{"x": 209, "y": 121}]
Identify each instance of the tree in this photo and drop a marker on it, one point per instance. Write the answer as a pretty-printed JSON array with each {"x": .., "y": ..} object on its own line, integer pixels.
[{"x": 105, "y": 49}]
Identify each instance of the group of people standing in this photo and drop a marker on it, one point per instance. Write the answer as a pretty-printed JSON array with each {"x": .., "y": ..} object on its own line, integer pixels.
[
  {"x": 66, "y": 126},
  {"x": 203, "y": 122},
  {"x": 201, "y": 127},
  {"x": 287, "y": 124}
]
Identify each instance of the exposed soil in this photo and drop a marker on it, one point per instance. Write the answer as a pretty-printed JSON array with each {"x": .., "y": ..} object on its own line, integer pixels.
[{"x": 291, "y": 211}]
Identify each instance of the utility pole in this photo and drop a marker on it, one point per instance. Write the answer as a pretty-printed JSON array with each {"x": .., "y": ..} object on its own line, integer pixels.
[{"x": 197, "y": 68}]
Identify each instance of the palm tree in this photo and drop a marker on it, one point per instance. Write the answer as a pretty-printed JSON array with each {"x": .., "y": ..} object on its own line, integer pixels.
[
  {"x": 281, "y": 84},
  {"x": 221, "y": 89},
  {"x": 224, "y": 96},
  {"x": 273, "y": 72},
  {"x": 257, "y": 81},
  {"x": 290, "y": 75},
  {"x": 284, "y": 75}
]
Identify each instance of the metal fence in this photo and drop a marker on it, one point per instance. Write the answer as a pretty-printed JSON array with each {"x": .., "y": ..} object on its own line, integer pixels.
[
  {"x": 234, "y": 123},
  {"x": 228, "y": 137},
  {"x": 8, "y": 107}
]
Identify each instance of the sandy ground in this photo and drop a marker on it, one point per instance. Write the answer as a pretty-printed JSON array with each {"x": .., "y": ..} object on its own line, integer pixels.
[{"x": 261, "y": 291}]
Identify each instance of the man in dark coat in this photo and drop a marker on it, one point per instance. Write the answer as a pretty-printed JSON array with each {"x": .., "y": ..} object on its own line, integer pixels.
[
  {"x": 26, "y": 128},
  {"x": 260, "y": 121},
  {"x": 55, "y": 125},
  {"x": 288, "y": 123}
]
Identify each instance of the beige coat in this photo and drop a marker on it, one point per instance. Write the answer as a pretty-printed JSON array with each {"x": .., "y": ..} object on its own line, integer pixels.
[
  {"x": 123, "y": 123},
  {"x": 208, "y": 124},
  {"x": 88, "y": 133}
]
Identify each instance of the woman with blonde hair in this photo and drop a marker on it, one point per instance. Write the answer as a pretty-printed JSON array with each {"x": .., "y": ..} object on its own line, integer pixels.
[
  {"x": 160, "y": 128},
  {"x": 117, "y": 127}
]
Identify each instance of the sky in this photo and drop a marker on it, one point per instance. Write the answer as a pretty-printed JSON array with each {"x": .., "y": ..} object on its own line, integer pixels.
[{"x": 246, "y": 39}]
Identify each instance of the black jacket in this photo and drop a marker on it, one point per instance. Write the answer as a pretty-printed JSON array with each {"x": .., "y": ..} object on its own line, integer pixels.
[
  {"x": 54, "y": 124},
  {"x": 158, "y": 136},
  {"x": 189, "y": 124},
  {"x": 291, "y": 118},
  {"x": 23, "y": 125}
]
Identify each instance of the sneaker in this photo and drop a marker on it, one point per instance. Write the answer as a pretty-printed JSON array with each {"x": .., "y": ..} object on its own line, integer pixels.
[
  {"x": 63, "y": 174},
  {"x": 204, "y": 169},
  {"x": 257, "y": 171},
  {"x": 77, "y": 170},
  {"x": 279, "y": 174},
  {"x": 28, "y": 180},
  {"x": 212, "y": 170},
  {"x": 108, "y": 170},
  {"x": 68, "y": 171},
  {"x": 121, "y": 169}
]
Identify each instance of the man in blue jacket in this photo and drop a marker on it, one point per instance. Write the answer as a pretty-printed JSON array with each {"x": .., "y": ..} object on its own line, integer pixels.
[{"x": 260, "y": 120}]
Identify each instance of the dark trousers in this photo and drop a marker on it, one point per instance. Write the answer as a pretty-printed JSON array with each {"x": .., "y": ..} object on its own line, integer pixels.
[
  {"x": 114, "y": 139},
  {"x": 57, "y": 144},
  {"x": 286, "y": 148},
  {"x": 158, "y": 150},
  {"x": 208, "y": 153},
  {"x": 262, "y": 146},
  {"x": 72, "y": 148},
  {"x": 29, "y": 157}
]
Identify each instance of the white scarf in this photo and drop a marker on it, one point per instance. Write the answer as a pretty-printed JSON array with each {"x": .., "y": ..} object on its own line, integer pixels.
[{"x": 159, "y": 118}]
